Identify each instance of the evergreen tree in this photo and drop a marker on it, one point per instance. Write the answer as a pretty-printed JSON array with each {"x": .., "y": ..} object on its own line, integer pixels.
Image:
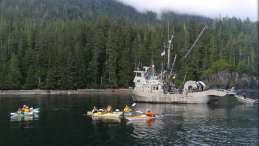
[
  {"x": 56, "y": 48},
  {"x": 13, "y": 77},
  {"x": 110, "y": 75}
]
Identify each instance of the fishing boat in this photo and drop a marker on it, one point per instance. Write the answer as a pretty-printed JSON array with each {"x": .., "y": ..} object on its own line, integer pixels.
[{"x": 160, "y": 88}]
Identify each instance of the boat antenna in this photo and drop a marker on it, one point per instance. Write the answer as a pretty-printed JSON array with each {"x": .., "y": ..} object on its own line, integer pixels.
[
  {"x": 195, "y": 42},
  {"x": 168, "y": 31},
  {"x": 168, "y": 48}
]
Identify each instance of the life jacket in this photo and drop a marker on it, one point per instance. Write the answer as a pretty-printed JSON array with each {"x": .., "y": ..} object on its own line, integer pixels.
[
  {"x": 150, "y": 114},
  {"x": 26, "y": 110},
  {"x": 127, "y": 109},
  {"x": 109, "y": 109}
]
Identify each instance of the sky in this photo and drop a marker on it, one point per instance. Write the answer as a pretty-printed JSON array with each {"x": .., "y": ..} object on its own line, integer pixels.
[{"x": 209, "y": 8}]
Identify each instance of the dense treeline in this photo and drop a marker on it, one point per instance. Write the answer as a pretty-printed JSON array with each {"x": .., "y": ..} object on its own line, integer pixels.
[{"x": 103, "y": 52}]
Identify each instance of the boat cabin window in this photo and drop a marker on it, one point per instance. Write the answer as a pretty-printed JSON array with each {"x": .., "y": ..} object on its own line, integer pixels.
[{"x": 138, "y": 74}]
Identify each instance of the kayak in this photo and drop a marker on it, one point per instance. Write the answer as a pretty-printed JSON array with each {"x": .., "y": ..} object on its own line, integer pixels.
[
  {"x": 21, "y": 114},
  {"x": 105, "y": 114},
  {"x": 133, "y": 113},
  {"x": 107, "y": 119},
  {"x": 139, "y": 118},
  {"x": 127, "y": 114},
  {"x": 22, "y": 118}
]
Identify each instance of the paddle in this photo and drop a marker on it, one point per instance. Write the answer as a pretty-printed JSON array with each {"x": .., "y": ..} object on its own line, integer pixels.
[{"x": 134, "y": 104}]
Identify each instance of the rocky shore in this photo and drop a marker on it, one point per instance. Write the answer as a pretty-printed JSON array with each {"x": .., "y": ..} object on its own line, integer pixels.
[{"x": 227, "y": 79}]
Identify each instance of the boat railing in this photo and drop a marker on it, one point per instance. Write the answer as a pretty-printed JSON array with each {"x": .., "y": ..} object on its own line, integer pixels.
[{"x": 175, "y": 91}]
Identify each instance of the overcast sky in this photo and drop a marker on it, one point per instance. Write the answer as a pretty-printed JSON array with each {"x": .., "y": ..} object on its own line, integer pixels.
[{"x": 210, "y": 8}]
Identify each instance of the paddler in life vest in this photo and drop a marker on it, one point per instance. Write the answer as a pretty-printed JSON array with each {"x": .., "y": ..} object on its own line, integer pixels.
[
  {"x": 19, "y": 110},
  {"x": 94, "y": 110},
  {"x": 25, "y": 109},
  {"x": 108, "y": 109},
  {"x": 127, "y": 109},
  {"x": 150, "y": 114}
]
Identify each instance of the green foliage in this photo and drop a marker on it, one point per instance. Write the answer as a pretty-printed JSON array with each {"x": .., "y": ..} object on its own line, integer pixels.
[
  {"x": 13, "y": 78},
  {"x": 30, "y": 78},
  {"x": 217, "y": 66},
  {"x": 243, "y": 67},
  {"x": 51, "y": 44},
  {"x": 109, "y": 77}
]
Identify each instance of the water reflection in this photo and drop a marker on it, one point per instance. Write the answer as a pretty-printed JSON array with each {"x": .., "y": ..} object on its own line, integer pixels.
[
  {"x": 198, "y": 124},
  {"x": 28, "y": 123},
  {"x": 62, "y": 122},
  {"x": 106, "y": 120}
]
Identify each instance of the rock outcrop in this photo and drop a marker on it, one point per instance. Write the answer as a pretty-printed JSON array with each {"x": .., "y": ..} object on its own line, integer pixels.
[{"x": 227, "y": 79}]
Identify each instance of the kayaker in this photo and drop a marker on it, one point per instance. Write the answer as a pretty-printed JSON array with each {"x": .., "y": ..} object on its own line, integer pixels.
[
  {"x": 150, "y": 114},
  {"x": 25, "y": 109},
  {"x": 127, "y": 109},
  {"x": 94, "y": 110},
  {"x": 19, "y": 110},
  {"x": 109, "y": 109}
]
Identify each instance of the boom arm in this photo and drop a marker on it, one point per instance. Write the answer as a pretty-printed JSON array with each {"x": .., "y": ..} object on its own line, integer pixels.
[{"x": 195, "y": 42}]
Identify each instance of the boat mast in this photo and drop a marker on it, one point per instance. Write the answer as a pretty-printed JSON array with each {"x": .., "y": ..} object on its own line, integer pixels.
[
  {"x": 168, "y": 48},
  {"x": 170, "y": 44},
  {"x": 169, "y": 52}
]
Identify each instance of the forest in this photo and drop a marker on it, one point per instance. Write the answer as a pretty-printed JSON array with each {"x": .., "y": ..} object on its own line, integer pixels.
[{"x": 76, "y": 44}]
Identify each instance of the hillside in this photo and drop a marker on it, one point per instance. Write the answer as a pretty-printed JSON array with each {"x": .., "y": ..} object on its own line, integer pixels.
[
  {"x": 70, "y": 44},
  {"x": 81, "y": 10}
]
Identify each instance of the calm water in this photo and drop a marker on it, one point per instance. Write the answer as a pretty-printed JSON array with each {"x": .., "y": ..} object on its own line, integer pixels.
[{"x": 62, "y": 123}]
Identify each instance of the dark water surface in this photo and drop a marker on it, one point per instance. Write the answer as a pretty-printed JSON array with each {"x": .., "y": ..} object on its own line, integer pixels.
[{"x": 62, "y": 123}]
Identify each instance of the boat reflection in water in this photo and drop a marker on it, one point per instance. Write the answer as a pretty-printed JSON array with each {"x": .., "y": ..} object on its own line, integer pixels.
[
  {"x": 62, "y": 122},
  {"x": 24, "y": 118},
  {"x": 196, "y": 124}
]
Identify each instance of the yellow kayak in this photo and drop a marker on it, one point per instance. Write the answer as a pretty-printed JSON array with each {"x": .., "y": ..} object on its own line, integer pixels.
[{"x": 105, "y": 114}]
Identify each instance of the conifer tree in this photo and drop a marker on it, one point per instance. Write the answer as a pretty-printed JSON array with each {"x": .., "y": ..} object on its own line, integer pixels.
[{"x": 13, "y": 77}]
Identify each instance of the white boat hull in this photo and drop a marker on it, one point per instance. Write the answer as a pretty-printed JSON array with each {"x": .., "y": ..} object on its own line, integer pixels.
[
  {"x": 170, "y": 98},
  {"x": 159, "y": 97}
]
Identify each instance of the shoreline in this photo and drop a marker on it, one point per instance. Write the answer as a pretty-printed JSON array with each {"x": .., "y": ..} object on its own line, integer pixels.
[{"x": 64, "y": 92}]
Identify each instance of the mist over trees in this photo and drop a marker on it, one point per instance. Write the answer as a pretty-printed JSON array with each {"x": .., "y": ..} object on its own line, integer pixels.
[{"x": 72, "y": 44}]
